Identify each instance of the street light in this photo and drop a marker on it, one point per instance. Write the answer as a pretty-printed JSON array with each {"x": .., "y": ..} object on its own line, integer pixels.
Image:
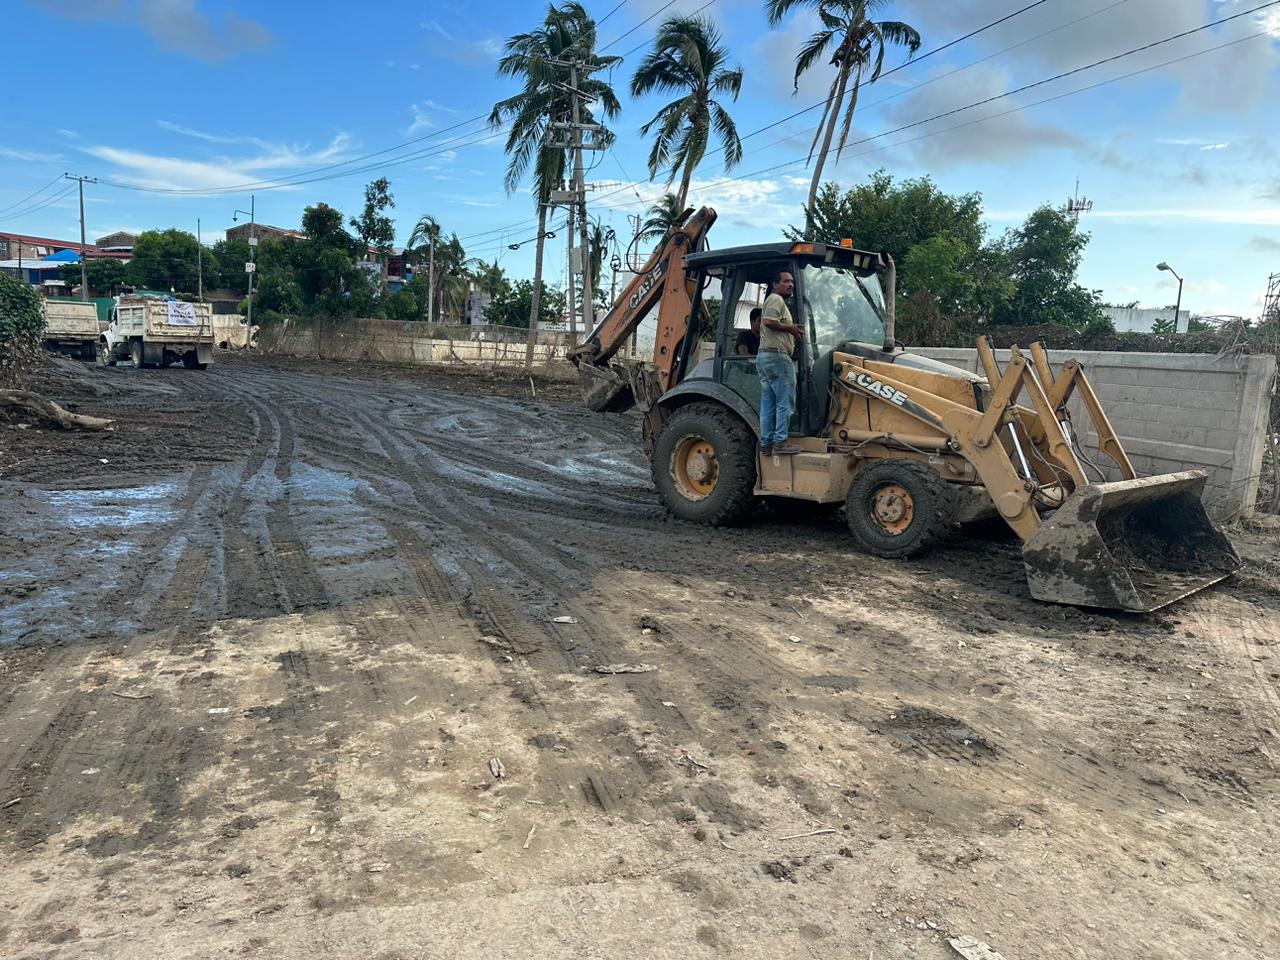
[
  {"x": 252, "y": 265},
  {"x": 1162, "y": 265}
]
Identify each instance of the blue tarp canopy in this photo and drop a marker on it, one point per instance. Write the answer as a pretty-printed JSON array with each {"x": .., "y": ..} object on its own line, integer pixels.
[{"x": 63, "y": 256}]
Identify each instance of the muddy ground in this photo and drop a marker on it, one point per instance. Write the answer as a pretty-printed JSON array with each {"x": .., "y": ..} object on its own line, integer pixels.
[{"x": 263, "y": 644}]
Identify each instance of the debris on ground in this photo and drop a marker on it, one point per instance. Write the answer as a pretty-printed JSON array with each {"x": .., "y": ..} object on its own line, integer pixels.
[
  {"x": 610, "y": 668},
  {"x": 972, "y": 948}
]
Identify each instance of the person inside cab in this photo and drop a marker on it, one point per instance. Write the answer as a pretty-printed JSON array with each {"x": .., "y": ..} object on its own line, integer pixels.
[{"x": 748, "y": 344}]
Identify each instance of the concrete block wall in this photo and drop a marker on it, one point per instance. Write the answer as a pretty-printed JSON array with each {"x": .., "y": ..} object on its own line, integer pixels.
[
  {"x": 1173, "y": 411},
  {"x": 391, "y": 342}
]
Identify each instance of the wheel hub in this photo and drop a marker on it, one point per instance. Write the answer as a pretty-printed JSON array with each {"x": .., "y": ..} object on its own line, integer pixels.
[
  {"x": 892, "y": 508},
  {"x": 695, "y": 467}
]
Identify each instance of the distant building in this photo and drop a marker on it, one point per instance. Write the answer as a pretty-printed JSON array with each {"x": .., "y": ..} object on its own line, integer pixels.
[
  {"x": 121, "y": 241},
  {"x": 473, "y": 311},
  {"x": 1144, "y": 319},
  {"x": 263, "y": 231}
]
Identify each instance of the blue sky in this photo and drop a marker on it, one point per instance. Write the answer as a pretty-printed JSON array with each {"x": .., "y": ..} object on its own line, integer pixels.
[{"x": 1182, "y": 162}]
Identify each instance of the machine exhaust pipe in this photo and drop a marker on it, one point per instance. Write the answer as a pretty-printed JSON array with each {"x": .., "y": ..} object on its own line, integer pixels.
[{"x": 890, "y": 302}]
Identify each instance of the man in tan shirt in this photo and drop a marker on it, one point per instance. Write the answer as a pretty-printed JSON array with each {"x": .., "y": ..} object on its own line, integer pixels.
[{"x": 778, "y": 336}]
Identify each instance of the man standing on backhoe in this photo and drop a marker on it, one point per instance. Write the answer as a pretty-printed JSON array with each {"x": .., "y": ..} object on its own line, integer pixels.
[{"x": 778, "y": 337}]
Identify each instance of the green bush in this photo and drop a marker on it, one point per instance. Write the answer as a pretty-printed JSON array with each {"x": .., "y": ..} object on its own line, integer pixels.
[{"x": 21, "y": 326}]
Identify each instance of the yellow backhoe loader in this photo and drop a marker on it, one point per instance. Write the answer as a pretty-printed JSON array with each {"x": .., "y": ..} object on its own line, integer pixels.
[{"x": 909, "y": 445}]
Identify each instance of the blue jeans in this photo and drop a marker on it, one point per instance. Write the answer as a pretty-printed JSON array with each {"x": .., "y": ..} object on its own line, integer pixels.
[{"x": 777, "y": 396}]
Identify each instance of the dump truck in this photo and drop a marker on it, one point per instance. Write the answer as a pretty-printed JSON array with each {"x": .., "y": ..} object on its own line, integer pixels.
[
  {"x": 909, "y": 446},
  {"x": 158, "y": 331},
  {"x": 71, "y": 327}
]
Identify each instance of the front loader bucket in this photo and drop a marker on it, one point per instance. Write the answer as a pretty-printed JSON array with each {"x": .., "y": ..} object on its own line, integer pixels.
[{"x": 1130, "y": 545}]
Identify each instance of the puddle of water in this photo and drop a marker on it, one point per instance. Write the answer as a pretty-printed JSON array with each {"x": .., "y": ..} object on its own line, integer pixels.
[{"x": 117, "y": 506}]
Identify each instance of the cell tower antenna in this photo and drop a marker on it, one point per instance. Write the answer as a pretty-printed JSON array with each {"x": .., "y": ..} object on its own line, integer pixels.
[{"x": 1077, "y": 204}]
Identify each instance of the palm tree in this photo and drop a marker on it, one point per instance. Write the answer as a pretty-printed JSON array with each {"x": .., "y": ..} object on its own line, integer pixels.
[
  {"x": 489, "y": 278},
  {"x": 538, "y": 58},
  {"x": 688, "y": 59},
  {"x": 661, "y": 217},
  {"x": 857, "y": 52},
  {"x": 448, "y": 262}
]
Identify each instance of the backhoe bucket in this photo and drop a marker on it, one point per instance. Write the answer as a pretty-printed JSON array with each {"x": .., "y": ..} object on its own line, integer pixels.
[
  {"x": 603, "y": 390},
  {"x": 1130, "y": 545}
]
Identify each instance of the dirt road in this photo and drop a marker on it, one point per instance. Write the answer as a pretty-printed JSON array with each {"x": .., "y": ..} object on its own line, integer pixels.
[{"x": 303, "y": 661}]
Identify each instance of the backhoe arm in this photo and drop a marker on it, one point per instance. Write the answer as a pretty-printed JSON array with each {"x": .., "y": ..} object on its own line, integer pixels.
[{"x": 661, "y": 283}]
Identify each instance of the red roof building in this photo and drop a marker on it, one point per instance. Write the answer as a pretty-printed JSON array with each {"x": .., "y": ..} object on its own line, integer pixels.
[{"x": 21, "y": 246}]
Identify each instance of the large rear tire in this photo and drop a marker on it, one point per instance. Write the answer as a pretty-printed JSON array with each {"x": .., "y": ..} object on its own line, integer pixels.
[
  {"x": 191, "y": 361},
  {"x": 704, "y": 465},
  {"x": 898, "y": 508},
  {"x": 135, "y": 353}
]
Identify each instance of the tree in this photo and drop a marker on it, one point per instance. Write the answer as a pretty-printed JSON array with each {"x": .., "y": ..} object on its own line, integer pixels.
[
  {"x": 373, "y": 227},
  {"x": 449, "y": 261},
  {"x": 688, "y": 59},
  {"x": 489, "y": 278},
  {"x": 660, "y": 218},
  {"x": 106, "y": 275},
  {"x": 857, "y": 52},
  {"x": 164, "y": 260},
  {"x": 226, "y": 272},
  {"x": 514, "y": 307},
  {"x": 537, "y": 58},
  {"x": 21, "y": 326},
  {"x": 963, "y": 272},
  {"x": 1043, "y": 256}
]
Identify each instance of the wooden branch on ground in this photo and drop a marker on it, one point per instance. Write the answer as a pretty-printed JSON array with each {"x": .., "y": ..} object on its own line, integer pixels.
[{"x": 46, "y": 411}]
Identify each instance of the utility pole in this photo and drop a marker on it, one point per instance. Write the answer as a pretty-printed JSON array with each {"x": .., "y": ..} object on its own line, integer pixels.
[
  {"x": 252, "y": 266},
  {"x": 573, "y": 322},
  {"x": 575, "y": 198},
  {"x": 580, "y": 187},
  {"x": 199, "y": 264},
  {"x": 431, "y": 283},
  {"x": 84, "y": 267}
]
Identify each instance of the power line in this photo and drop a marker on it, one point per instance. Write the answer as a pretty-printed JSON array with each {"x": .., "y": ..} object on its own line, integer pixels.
[
  {"x": 305, "y": 177},
  {"x": 37, "y": 207},
  {"x": 638, "y": 25},
  {"x": 646, "y": 43},
  {"x": 902, "y": 66},
  {"x": 1005, "y": 113},
  {"x": 951, "y": 73},
  {"x": 611, "y": 12},
  {"x": 31, "y": 195}
]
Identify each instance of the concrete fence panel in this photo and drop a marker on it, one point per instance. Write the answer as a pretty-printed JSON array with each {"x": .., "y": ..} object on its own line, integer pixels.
[{"x": 1173, "y": 411}]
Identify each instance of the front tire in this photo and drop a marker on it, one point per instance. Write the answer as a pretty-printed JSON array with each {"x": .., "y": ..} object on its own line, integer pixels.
[
  {"x": 898, "y": 508},
  {"x": 704, "y": 465}
]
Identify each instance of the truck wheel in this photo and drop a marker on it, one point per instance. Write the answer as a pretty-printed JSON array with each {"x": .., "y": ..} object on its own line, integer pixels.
[
  {"x": 704, "y": 465},
  {"x": 104, "y": 355},
  {"x": 898, "y": 508},
  {"x": 135, "y": 353},
  {"x": 191, "y": 362}
]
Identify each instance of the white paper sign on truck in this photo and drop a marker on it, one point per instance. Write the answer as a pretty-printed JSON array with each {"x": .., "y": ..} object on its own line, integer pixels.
[{"x": 182, "y": 314}]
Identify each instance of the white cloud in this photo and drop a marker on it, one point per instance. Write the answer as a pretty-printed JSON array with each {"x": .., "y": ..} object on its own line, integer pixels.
[
  {"x": 177, "y": 173},
  {"x": 992, "y": 133},
  {"x": 176, "y": 25},
  {"x": 444, "y": 43},
  {"x": 760, "y": 204},
  {"x": 1244, "y": 216},
  {"x": 29, "y": 156}
]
